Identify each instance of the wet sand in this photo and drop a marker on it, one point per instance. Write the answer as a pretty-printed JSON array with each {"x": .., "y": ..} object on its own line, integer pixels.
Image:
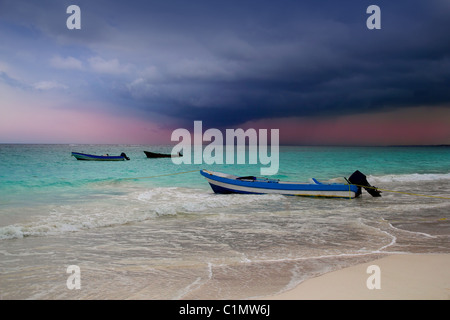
[{"x": 399, "y": 277}]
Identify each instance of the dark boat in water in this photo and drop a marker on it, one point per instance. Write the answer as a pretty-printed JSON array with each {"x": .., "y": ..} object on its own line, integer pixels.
[
  {"x": 161, "y": 155},
  {"x": 92, "y": 157}
]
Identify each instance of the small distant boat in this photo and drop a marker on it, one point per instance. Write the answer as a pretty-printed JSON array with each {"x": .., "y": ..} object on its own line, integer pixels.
[
  {"x": 227, "y": 183},
  {"x": 92, "y": 157},
  {"x": 161, "y": 155}
]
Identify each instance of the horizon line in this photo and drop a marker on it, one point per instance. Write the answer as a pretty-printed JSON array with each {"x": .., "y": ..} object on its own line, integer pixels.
[{"x": 281, "y": 144}]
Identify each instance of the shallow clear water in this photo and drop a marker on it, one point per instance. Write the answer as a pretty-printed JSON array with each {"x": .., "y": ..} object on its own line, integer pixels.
[{"x": 170, "y": 237}]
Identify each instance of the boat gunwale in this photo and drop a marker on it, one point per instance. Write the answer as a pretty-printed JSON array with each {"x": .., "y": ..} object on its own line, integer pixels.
[
  {"x": 278, "y": 185},
  {"x": 93, "y": 156}
]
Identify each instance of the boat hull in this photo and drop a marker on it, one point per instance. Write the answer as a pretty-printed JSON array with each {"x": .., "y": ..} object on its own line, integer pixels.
[
  {"x": 160, "y": 155},
  {"x": 91, "y": 157},
  {"x": 223, "y": 183}
]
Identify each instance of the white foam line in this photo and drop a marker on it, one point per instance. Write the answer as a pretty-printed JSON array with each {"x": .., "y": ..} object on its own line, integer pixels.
[
  {"x": 413, "y": 177},
  {"x": 183, "y": 292},
  {"x": 198, "y": 283},
  {"x": 394, "y": 239},
  {"x": 378, "y": 251},
  {"x": 316, "y": 257},
  {"x": 295, "y": 282},
  {"x": 407, "y": 231},
  {"x": 210, "y": 272}
]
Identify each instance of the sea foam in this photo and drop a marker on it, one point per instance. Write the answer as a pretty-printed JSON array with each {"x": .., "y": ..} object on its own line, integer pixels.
[
  {"x": 128, "y": 208},
  {"x": 414, "y": 177}
]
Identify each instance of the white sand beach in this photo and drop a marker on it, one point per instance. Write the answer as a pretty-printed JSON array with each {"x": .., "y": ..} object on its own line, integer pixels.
[{"x": 402, "y": 277}]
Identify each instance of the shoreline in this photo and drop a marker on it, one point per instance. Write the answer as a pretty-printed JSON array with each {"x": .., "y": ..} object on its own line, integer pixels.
[{"x": 401, "y": 277}]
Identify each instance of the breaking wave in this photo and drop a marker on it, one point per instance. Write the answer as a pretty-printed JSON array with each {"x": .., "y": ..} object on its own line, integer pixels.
[
  {"x": 414, "y": 177},
  {"x": 132, "y": 207}
]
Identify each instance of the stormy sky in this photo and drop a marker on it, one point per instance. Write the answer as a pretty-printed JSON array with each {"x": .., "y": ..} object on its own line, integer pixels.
[{"x": 312, "y": 68}]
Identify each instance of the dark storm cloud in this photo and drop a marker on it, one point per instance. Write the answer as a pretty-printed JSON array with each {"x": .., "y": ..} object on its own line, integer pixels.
[
  {"x": 303, "y": 60},
  {"x": 227, "y": 62}
]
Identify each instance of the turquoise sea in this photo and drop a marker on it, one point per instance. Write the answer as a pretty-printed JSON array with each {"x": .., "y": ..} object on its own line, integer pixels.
[{"x": 138, "y": 230}]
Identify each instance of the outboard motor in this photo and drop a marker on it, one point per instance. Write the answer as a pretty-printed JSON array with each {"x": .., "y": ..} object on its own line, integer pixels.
[
  {"x": 124, "y": 155},
  {"x": 360, "y": 179}
]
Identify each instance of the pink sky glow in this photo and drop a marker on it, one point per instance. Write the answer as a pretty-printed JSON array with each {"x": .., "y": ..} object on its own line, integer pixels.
[
  {"x": 24, "y": 120},
  {"x": 414, "y": 126}
]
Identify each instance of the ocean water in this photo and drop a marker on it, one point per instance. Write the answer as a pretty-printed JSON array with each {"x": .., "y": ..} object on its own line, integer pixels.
[{"x": 164, "y": 236}]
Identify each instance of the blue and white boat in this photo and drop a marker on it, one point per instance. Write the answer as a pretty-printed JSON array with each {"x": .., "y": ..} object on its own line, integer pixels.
[
  {"x": 92, "y": 157},
  {"x": 227, "y": 183}
]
